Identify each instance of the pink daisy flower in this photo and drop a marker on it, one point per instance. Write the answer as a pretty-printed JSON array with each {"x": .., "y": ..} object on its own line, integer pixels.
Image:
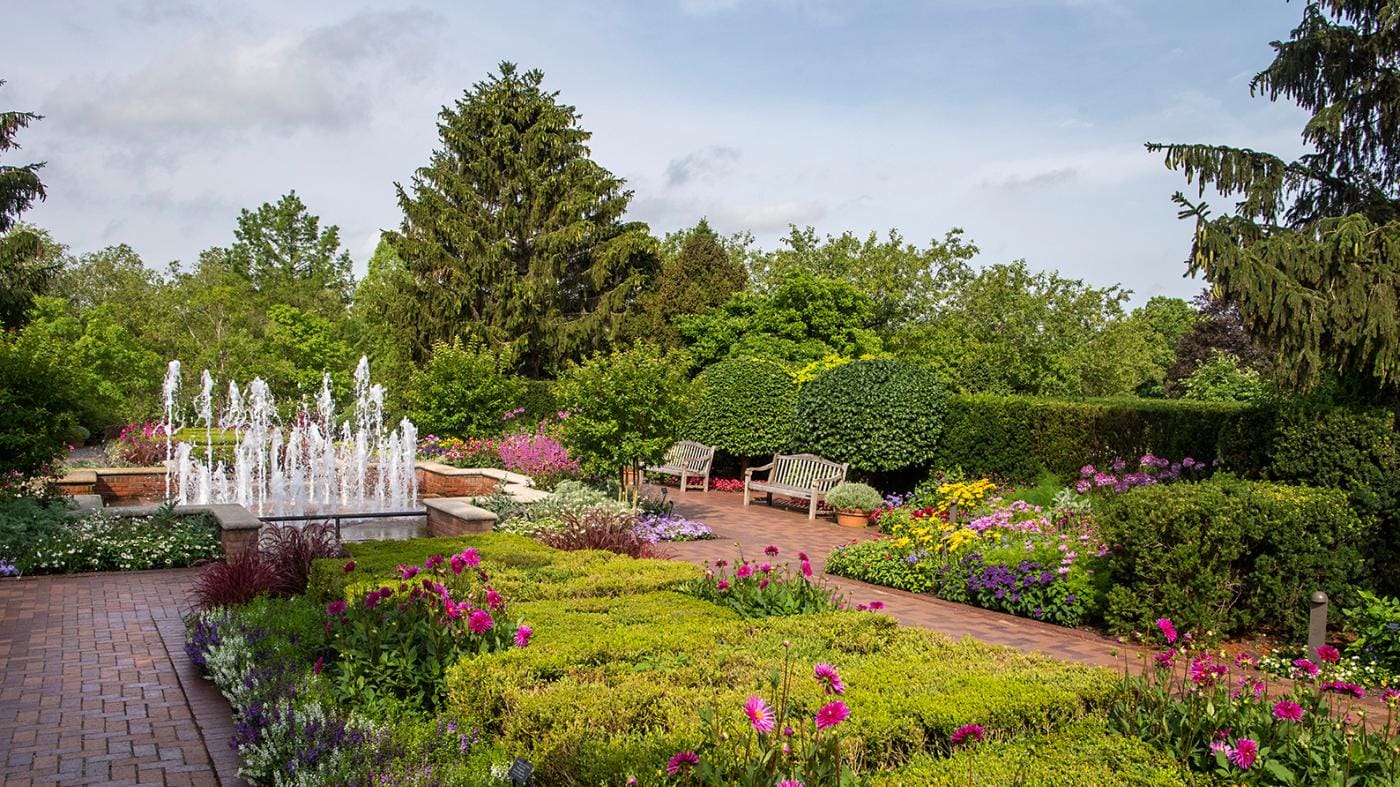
[
  {"x": 493, "y": 599},
  {"x": 522, "y": 636},
  {"x": 1307, "y": 666},
  {"x": 682, "y": 762},
  {"x": 744, "y": 571},
  {"x": 968, "y": 733},
  {"x": 770, "y": 551},
  {"x": 1243, "y": 753},
  {"x": 829, "y": 678},
  {"x": 1328, "y": 654},
  {"x": 1288, "y": 711},
  {"x": 760, "y": 715},
  {"x": 335, "y": 608},
  {"x": 832, "y": 714},
  {"x": 1168, "y": 629},
  {"x": 480, "y": 621},
  {"x": 806, "y": 569}
]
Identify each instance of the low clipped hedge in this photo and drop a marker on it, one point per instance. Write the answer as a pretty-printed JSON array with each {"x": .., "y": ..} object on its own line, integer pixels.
[
  {"x": 1016, "y": 438},
  {"x": 1228, "y": 555},
  {"x": 1086, "y": 752},
  {"x": 878, "y": 415},
  {"x": 746, "y": 408},
  {"x": 612, "y": 682}
]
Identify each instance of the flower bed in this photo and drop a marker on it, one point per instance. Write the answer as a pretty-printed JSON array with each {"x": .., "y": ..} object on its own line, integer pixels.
[
  {"x": 620, "y": 676},
  {"x": 41, "y": 538}
]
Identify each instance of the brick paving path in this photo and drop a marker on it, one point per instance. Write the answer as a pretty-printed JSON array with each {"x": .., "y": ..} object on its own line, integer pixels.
[
  {"x": 751, "y": 529},
  {"x": 96, "y": 688}
]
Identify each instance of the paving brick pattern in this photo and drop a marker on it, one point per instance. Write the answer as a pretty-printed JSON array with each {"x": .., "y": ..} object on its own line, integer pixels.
[{"x": 95, "y": 684}]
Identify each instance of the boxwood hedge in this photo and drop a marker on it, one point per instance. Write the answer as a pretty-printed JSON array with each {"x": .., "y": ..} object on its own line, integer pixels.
[
  {"x": 746, "y": 408},
  {"x": 878, "y": 415}
]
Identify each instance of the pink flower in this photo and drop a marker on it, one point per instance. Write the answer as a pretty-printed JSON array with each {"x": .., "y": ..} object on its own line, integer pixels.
[
  {"x": 316, "y": 668},
  {"x": 790, "y": 783},
  {"x": 335, "y": 608},
  {"x": 1165, "y": 659},
  {"x": 765, "y": 568},
  {"x": 806, "y": 569},
  {"x": 760, "y": 715},
  {"x": 722, "y": 585},
  {"x": 1245, "y": 660},
  {"x": 802, "y": 556},
  {"x": 453, "y": 609},
  {"x": 682, "y": 762},
  {"x": 1328, "y": 654},
  {"x": 493, "y": 599},
  {"x": 1205, "y": 671},
  {"x": 1288, "y": 711},
  {"x": 770, "y": 551},
  {"x": 832, "y": 714},
  {"x": 1168, "y": 629},
  {"x": 874, "y": 605},
  {"x": 829, "y": 678},
  {"x": 480, "y": 621},
  {"x": 349, "y": 566},
  {"x": 458, "y": 563},
  {"x": 1243, "y": 753},
  {"x": 522, "y": 636},
  {"x": 1390, "y": 695},
  {"x": 967, "y": 733},
  {"x": 432, "y": 562},
  {"x": 1306, "y": 666},
  {"x": 744, "y": 571},
  {"x": 470, "y": 557},
  {"x": 408, "y": 572},
  {"x": 1343, "y": 687},
  {"x": 763, "y": 583}
]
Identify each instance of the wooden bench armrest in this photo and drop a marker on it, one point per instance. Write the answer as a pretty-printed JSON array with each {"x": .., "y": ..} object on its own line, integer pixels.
[
  {"x": 749, "y": 473},
  {"x": 818, "y": 482}
]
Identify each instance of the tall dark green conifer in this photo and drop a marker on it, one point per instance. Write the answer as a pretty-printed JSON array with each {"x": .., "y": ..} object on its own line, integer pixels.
[
  {"x": 697, "y": 278},
  {"x": 23, "y": 271},
  {"x": 1311, "y": 254},
  {"x": 514, "y": 235}
]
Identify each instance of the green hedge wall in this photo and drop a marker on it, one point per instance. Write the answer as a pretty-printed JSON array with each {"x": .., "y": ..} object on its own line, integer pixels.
[
  {"x": 878, "y": 415},
  {"x": 1228, "y": 555},
  {"x": 1017, "y": 437}
]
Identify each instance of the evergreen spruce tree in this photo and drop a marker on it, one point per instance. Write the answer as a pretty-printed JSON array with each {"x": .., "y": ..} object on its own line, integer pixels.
[
  {"x": 23, "y": 271},
  {"x": 513, "y": 235},
  {"x": 1311, "y": 253},
  {"x": 699, "y": 277}
]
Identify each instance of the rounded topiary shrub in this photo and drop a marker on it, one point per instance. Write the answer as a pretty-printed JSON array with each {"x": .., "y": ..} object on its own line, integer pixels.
[
  {"x": 877, "y": 415},
  {"x": 746, "y": 408}
]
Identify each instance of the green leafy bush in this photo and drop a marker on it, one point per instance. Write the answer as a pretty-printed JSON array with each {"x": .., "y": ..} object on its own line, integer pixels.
[
  {"x": 880, "y": 563},
  {"x": 41, "y": 538},
  {"x": 1375, "y": 620},
  {"x": 875, "y": 414},
  {"x": 746, "y": 407},
  {"x": 463, "y": 390},
  {"x": 41, "y": 403},
  {"x": 1227, "y": 555},
  {"x": 760, "y": 589},
  {"x": 849, "y": 496},
  {"x": 1019, "y": 437}
]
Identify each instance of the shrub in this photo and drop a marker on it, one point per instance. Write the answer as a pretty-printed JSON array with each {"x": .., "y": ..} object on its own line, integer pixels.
[
  {"x": 1375, "y": 620},
  {"x": 42, "y": 538},
  {"x": 475, "y": 452},
  {"x": 599, "y": 528},
  {"x": 463, "y": 390},
  {"x": 289, "y": 550},
  {"x": 237, "y": 579},
  {"x": 854, "y": 497},
  {"x": 141, "y": 444},
  {"x": 875, "y": 414},
  {"x": 1227, "y": 555},
  {"x": 880, "y": 563},
  {"x": 746, "y": 407},
  {"x": 1017, "y": 437},
  {"x": 42, "y": 401}
]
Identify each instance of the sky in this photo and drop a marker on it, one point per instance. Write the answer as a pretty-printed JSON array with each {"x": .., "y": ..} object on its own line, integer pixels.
[{"x": 1020, "y": 121}]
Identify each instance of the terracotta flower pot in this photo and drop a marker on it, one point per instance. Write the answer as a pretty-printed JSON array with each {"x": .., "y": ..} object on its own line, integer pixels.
[{"x": 852, "y": 518}]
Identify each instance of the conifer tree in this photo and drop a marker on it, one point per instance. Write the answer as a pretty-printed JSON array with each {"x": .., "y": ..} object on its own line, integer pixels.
[
  {"x": 23, "y": 271},
  {"x": 514, "y": 235},
  {"x": 1311, "y": 253},
  {"x": 697, "y": 278}
]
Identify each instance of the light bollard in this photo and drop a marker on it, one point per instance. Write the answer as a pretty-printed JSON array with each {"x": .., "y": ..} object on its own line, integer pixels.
[{"x": 1317, "y": 622}]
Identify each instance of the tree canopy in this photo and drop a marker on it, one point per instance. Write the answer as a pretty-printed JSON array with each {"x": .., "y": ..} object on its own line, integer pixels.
[
  {"x": 1311, "y": 253},
  {"x": 514, "y": 235},
  {"x": 24, "y": 271}
]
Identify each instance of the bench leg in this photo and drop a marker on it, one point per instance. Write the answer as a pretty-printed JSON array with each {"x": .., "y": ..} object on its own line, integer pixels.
[
  {"x": 812, "y": 509},
  {"x": 682, "y": 482},
  {"x": 706, "y": 486},
  {"x": 747, "y": 494}
]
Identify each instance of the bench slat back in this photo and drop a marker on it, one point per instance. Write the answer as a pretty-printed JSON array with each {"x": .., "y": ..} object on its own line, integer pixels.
[
  {"x": 801, "y": 470},
  {"x": 690, "y": 455}
]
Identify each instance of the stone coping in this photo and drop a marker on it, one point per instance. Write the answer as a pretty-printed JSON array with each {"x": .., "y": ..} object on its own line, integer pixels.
[
  {"x": 525, "y": 494},
  {"x": 82, "y": 477},
  {"x": 459, "y": 507},
  {"x": 230, "y": 516},
  {"x": 504, "y": 476}
]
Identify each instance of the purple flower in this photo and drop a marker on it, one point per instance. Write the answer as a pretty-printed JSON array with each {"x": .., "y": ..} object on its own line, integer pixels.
[
  {"x": 335, "y": 608},
  {"x": 349, "y": 566},
  {"x": 829, "y": 678},
  {"x": 1168, "y": 630},
  {"x": 967, "y": 733},
  {"x": 479, "y": 622},
  {"x": 1243, "y": 753},
  {"x": 759, "y": 713},
  {"x": 682, "y": 762},
  {"x": 522, "y": 636}
]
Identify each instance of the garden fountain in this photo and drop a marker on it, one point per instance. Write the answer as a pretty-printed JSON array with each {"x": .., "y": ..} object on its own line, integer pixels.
[{"x": 308, "y": 464}]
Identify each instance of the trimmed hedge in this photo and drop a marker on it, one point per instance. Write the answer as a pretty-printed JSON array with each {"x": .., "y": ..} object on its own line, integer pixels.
[
  {"x": 878, "y": 415},
  {"x": 1016, "y": 438},
  {"x": 1228, "y": 555},
  {"x": 746, "y": 409},
  {"x": 611, "y": 684}
]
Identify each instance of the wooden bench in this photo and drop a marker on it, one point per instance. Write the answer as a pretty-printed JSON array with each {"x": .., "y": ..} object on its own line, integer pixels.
[
  {"x": 687, "y": 460},
  {"x": 803, "y": 476}
]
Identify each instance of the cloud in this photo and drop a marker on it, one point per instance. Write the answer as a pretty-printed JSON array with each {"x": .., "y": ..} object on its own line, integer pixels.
[
  {"x": 704, "y": 164},
  {"x": 155, "y": 12},
  {"x": 223, "y": 82},
  {"x": 773, "y": 217},
  {"x": 1036, "y": 180}
]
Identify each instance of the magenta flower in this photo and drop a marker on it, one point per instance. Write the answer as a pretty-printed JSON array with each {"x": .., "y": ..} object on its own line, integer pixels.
[
  {"x": 829, "y": 678},
  {"x": 770, "y": 551},
  {"x": 1205, "y": 671},
  {"x": 682, "y": 762},
  {"x": 802, "y": 556},
  {"x": 806, "y": 569},
  {"x": 335, "y": 608},
  {"x": 744, "y": 571},
  {"x": 1168, "y": 630},
  {"x": 1390, "y": 695},
  {"x": 832, "y": 714},
  {"x": 790, "y": 783},
  {"x": 1343, "y": 687},
  {"x": 408, "y": 572},
  {"x": 1307, "y": 666},
  {"x": 1328, "y": 654},
  {"x": 972, "y": 733},
  {"x": 1243, "y": 753},
  {"x": 522, "y": 636},
  {"x": 765, "y": 568},
  {"x": 1166, "y": 659},
  {"x": 453, "y": 609},
  {"x": 722, "y": 585},
  {"x": 760, "y": 715},
  {"x": 1288, "y": 711},
  {"x": 494, "y": 599},
  {"x": 349, "y": 566},
  {"x": 480, "y": 621},
  {"x": 320, "y": 662},
  {"x": 432, "y": 562},
  {"x": 458, "y": 563},
  {"x": 876, "y": 605},
  {"x": 471, "y": 557},
  {"x": 762, "y": 583}
]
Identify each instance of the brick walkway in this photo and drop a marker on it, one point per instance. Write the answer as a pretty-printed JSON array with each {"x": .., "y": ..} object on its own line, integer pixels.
[
  {"x": 751, "y": 529},
  {"x": 97, "y": 689}
]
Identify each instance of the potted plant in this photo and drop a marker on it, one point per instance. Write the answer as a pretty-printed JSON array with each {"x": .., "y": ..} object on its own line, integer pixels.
[{"x": 853, "y": 503}]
